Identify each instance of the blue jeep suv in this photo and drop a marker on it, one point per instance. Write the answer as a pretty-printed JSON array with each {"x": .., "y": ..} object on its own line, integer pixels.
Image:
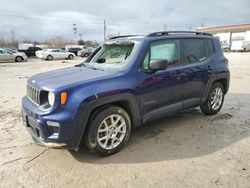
[{"x": 124, "y": 83}]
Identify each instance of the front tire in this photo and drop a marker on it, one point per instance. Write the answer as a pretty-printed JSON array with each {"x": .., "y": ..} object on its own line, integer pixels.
[
  {"x": 214, "y": 100},
  {"x": 70, "y": 57},
  {"x": 108, "y": 130},
  {"x": 86, "y": 55},
  {"x": 19, "y": 59}
]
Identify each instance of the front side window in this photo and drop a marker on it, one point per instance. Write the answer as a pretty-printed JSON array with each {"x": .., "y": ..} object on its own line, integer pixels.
[
  {"x": 193, "y": 50},
  {"x": 62, "y": 51},
  {"x": 164, "y": 50}
]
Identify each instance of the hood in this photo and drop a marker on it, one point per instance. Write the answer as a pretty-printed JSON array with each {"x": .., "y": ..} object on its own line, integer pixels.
[
  {"x": 19, "y": 54},
  {"x": 67, "y": 77}
]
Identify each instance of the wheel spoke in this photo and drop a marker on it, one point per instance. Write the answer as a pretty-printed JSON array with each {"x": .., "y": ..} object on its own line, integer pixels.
[
  {"x": 105, "y": 143},
  {"x": 120, "y": 126},
  {"x": 103, "y": 138},
  {"x": 117, "y": 120},
  {"x": 213, "y": 106},
  {"x": 112, "y": 120},
  {"x": 112, "y": 142}
]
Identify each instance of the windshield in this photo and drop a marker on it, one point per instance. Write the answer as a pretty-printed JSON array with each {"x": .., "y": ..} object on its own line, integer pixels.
[{"x": 113, "y": 56}]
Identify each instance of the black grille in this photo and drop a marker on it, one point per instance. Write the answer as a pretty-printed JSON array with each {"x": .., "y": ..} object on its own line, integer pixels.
[{"x": 33, "y": 94}]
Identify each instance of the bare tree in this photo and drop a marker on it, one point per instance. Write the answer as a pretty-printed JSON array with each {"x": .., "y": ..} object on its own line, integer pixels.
[
  {"x": 2, "y": 41},
  {"x": 13, "y": 39}
]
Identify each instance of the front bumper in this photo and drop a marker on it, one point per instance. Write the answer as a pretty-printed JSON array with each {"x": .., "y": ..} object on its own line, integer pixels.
[
  {"x": 25, "y": 58},
  {"x": 37, "y": 125},
  {"x": 37, "y": 134}
]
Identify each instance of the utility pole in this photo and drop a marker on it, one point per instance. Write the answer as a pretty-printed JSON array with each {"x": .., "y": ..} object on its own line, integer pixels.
[
  {"x": 165, "y": 27},
  {"x": 74, "y": 29},
  {"x": 105, "y": 30},
  {"x": 80, "y": 35}
]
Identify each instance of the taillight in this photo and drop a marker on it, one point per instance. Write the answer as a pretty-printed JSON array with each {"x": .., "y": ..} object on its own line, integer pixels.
[{"x": 226, "y": 61}]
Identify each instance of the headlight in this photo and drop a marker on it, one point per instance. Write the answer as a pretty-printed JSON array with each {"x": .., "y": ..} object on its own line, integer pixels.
[{"x": 51, "y": 98}]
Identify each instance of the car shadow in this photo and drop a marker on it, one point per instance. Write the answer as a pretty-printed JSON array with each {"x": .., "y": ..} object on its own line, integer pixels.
[{"x": 187, "y": 134}]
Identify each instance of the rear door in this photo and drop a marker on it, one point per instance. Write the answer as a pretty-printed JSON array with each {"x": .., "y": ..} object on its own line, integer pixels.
[{"x": 198, "y": 66}]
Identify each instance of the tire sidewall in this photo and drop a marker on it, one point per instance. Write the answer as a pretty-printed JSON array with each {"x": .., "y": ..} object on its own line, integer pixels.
[
  {"x": 95, "y": 122},
  {"x": 71, "y": 56}
]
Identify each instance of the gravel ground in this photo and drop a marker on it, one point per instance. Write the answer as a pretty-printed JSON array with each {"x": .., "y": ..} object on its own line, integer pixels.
[{"x": 185, "y": 150}]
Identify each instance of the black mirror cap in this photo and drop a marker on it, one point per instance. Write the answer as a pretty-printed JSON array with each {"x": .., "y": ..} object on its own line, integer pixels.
[
  {"x": 159, "y": 64},
  {"x": 102, "y": 60}
]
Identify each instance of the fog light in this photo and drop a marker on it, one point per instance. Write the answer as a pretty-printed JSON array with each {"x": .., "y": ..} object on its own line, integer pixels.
[
  {"x": 53, "y": 124},
  {"x": 54, "y": 128}
]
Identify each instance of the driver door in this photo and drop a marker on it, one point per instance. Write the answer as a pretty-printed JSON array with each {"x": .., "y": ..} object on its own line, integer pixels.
[
  {"x": 161, "y": 91},
  {"x": 62, "y": 54}
]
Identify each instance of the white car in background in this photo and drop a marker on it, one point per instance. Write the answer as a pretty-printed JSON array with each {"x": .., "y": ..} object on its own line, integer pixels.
[
  {"x": 11, "y": 55},
  {"x": 50, "y": 54}
]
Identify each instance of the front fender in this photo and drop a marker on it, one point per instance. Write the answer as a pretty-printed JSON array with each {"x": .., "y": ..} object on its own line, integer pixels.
[{"x": 88, "y": 106}]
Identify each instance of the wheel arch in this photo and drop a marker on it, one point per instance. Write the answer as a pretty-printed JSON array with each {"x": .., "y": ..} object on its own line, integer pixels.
[
  {"x": 126, "y": 101},
  {"x": 222, "y": 78},
  {"x": 18, "y": 57},
  {"x": 50, "y": 55}
]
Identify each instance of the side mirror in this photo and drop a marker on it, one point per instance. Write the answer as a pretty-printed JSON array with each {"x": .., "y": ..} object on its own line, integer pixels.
[
  {"x": 102, "y": 60},
  {"x": 159, "y": 64}
]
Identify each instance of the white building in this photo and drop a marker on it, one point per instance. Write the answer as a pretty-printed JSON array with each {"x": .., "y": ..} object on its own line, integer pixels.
[{"x": 230, "y": 35}]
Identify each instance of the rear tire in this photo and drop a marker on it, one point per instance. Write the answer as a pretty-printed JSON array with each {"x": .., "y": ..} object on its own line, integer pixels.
[
  {"x": 19, "y": 59},
  {"x": 214, "y": 100},
  {"x": 49, "y": 57},
  {"x": 108, "y": 130}
]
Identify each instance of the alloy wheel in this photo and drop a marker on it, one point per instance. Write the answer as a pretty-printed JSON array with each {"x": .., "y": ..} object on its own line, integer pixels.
[{"x": 111, "y": 131}]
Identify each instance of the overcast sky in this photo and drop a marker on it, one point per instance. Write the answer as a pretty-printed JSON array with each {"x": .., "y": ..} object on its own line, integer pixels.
[{"x": 43, "y": 19}]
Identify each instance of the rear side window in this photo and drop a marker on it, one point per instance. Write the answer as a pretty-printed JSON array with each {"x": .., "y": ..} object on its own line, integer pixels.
[
  {"x": 193, "y": 50},
  {"x": 210, "y": 47}
]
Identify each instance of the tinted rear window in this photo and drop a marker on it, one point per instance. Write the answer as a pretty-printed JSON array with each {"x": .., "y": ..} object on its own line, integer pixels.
[{"x": 193, "y": 50}]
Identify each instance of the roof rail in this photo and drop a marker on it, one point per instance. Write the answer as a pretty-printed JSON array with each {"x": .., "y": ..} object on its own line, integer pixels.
[
  {"x": 122, "y": 36},
  {"x": 162, "y": 33}
]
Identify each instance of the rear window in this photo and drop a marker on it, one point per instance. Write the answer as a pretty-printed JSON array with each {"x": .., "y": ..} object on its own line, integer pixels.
[{"x": 193, "y": 50}]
